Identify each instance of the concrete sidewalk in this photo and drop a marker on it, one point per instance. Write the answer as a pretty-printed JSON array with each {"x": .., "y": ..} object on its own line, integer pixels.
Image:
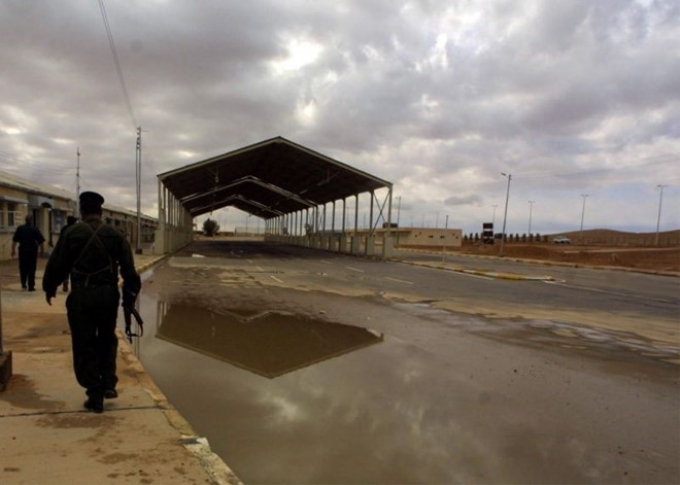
[{"x": 48, "y": 438}]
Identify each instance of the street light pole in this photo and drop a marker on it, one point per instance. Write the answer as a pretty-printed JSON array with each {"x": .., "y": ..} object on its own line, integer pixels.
[
  {"x": 658, "y": 218},
  {"x": 398, "y": 209},
  {"x": 446, "y": 229},
  {"x": 583, "y": 212},
  {"x": 505, "y": 216},
  {"x": 531, "y": 210},
  {"x": 493, "y": 215}
]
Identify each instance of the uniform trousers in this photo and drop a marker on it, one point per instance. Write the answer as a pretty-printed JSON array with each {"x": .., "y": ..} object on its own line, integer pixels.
[
  {"x": 28, "y": 261},
  {"x": 92, "y": 313}
]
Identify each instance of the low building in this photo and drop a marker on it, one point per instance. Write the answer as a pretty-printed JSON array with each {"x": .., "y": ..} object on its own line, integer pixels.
[
  {"x": 50, "y": 206},
  {"x": 426, "y": 237}
]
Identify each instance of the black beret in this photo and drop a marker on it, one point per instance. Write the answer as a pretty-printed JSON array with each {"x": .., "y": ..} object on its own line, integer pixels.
[{"x": 91, "y": 199}]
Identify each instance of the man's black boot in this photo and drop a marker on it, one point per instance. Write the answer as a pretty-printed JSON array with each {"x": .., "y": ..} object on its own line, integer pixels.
[
  {"x": 110, "y": 394},
  {"x": 94, "y": 404}
]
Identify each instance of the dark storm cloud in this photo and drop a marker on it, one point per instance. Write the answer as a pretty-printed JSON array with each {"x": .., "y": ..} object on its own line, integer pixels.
[{"x": 439, "y": 97}]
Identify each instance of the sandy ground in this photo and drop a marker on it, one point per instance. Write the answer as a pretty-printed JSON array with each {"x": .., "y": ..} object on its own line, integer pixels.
[{"x": 644, "y": 258}]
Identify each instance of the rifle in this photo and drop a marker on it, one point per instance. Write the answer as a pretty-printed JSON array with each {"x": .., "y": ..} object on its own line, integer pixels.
[{"x": 128, "y": 312}]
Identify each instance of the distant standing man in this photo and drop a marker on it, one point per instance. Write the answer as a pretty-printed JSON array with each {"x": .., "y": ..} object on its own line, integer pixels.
[
  {"x": 30, "y": 240},
  {"x": 93, "y": 253}
]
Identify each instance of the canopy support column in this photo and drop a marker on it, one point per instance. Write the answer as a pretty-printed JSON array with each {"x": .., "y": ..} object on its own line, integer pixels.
[{"x": 175, "y": 223}]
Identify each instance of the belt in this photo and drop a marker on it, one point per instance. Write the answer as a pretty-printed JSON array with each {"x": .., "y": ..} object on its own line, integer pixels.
[{"x": 92, "y": 284}]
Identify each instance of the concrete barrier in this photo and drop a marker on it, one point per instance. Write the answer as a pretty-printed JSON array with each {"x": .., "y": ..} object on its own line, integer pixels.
[{"x": 370, "y": 246}]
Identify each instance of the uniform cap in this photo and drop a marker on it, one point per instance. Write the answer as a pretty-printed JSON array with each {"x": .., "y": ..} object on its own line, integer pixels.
[{"x": 90, "y": 199}]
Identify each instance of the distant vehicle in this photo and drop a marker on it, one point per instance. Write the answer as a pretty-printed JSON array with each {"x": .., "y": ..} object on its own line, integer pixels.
[{"x": 562, "y": 240}]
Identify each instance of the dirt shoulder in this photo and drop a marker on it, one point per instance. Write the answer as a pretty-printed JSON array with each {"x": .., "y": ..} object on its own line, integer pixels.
[{"x": 663, "y": 260}]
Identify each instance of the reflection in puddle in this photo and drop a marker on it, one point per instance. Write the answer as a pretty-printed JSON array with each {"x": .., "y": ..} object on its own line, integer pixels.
[
  {"x": 266, "y": 343},
  {"x": 428, "y": 405}
]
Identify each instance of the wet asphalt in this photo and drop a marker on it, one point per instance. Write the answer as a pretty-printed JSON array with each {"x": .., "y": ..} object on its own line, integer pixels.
[{"x": 305, "y": 367}]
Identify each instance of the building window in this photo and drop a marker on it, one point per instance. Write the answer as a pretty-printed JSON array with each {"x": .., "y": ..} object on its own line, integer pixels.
[
  {"x": 9, "y": 215},
  {"x": 58, "y": 220}
]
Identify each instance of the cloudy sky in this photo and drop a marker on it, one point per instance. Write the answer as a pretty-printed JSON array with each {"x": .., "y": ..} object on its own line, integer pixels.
[{"x": 437, "y": 96}]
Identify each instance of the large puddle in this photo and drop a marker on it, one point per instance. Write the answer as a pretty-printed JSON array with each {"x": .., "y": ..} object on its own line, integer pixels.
[
  {"x": 419, "y": 397},
  {"x": 268, "y": 343}
]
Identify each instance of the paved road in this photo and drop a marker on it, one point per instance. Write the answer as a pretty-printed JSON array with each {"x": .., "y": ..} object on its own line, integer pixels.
[
  {"x": 445, "y": 377},
  {"x": 643, "y": 304},
  {"x": 622, "y": 282}
]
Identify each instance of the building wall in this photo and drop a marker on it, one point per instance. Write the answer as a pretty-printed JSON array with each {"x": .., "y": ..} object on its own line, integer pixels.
[
  {"x": 127, "y": 224},
  {"x": 50, "y": 213},
  {"x": 13, "y": 210},
  {"x": 428, "y": 237}
]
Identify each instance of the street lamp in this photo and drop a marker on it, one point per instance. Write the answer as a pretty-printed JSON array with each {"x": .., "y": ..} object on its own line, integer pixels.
[
  {"x": 505, "y": 216},
  {"x": 531, "y": 210},
  {"x": 658, "y": 218},
  {"x": 583, "y": 212}
]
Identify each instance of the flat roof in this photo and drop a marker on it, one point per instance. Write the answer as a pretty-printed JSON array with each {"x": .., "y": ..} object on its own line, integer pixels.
[{"x": 267, "y": 179}]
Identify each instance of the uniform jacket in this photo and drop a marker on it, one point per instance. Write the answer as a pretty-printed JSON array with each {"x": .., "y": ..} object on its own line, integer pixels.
[
  {"x": 28, "y": 237},
  {"x": 91, "y": 261}
]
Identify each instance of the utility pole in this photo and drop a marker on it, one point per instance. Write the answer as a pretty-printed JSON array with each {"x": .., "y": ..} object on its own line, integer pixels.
[
  {"x": 531, "y": 210},
  {"x": 583, "y": 212},
  {"x": 658, "y": 217},
  {"x": 138, "y": 163},
  {"x": 493, "y": 216},
  {"x": 505, "y": 217},
  {"x": 77, "y": 182}
]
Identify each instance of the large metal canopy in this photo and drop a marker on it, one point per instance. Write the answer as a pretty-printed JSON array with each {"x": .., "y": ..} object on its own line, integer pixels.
[{"x": 267, "y": 179}]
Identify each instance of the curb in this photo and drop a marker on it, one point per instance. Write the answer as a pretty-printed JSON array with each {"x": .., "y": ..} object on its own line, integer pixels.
[
  {"x": 502, "y": 276},
  {"x": 488, "y": 274},
  {"x": 198, "y": 446}
]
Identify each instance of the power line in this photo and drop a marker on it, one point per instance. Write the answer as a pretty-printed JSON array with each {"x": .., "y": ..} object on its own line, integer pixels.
[
  {"x": 116, "y": 61},
  {"x": 36, "y": 165}
]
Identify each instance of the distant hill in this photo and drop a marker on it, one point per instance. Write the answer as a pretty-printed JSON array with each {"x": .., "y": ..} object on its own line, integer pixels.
[{"x": 610, "y": 236}]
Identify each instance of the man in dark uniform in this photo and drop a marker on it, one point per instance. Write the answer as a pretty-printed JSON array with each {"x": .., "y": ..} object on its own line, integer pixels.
[
  {"x": 30, "y": 239},
  {"x": 93, "y": 253},
  {"x": 70, "y": 220}
]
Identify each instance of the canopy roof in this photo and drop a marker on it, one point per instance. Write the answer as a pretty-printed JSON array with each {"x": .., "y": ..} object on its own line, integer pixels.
[{"x": 267, "y": 179}]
